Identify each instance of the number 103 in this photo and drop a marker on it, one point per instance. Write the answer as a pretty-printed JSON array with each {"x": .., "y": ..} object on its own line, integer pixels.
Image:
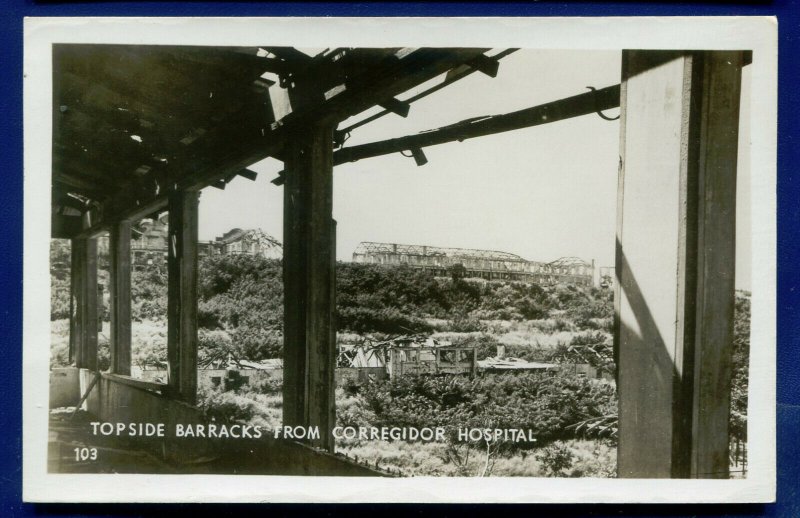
[{"x": 83, "y": 454}]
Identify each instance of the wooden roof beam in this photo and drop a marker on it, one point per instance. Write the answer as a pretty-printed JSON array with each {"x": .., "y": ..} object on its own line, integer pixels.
[
  {"x": 97, "y": 100},
  {"x": 236, "y": 147},
  {"x": 575, "y": 106},
  {"x": 455, "y": 74},
  {"x": 141, "y": 77},
  {"x": 400, "y": 75}
]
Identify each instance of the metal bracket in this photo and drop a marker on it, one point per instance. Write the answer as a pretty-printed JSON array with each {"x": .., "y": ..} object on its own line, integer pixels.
[{"x": 599, "y": 112}]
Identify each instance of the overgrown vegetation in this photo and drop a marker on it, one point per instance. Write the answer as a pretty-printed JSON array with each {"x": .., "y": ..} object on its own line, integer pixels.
[
  {"x": 542, "y": 403},
  {"x": 741, "y": 370},
  {"x": 240, "y": 309},
  {"x": 573, "y": 419}
]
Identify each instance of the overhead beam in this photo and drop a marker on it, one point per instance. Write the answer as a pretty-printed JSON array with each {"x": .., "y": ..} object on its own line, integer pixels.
[
  {"x": 396, "y": 106},
  {"x": 391, "y": 80},
  {"x": 235, "y": 146},
  {"x": 455, "y": 74},
  {"x": 249, "y": 174},
  {"x": 64, "y": 227},
  {"x": 575, "y": 106},
  {"x": 79, "y": 183},
  {"x": 485, "y": 65},
  {"x": 140, "y": 73}
]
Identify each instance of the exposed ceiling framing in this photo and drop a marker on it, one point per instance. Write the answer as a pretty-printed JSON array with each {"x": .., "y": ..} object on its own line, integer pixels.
[{"x": 131, "y": 123}]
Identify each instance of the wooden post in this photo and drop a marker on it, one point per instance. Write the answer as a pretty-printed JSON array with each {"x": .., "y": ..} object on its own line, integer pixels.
[
  {"x": 120, "y": 299},
  {"x": 182, "y": 296},
  {"x": 83, "y": 325},
  {"x": 675, "y": 261},
  {"x": 309, "y": 289},
  {"x": 74, "y": 302}
]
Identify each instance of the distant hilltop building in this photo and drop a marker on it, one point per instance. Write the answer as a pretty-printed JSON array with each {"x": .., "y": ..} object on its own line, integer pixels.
[
  {"x": 484, "y": 264},
  {"x": 250, "y": 242},
  {"x": 607, "y": 276},
  {"x": 149, "y": 240},
  {"x": 151, "y": 235}
]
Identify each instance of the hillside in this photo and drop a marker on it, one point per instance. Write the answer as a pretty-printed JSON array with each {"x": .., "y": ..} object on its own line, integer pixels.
[{"x": 572, "y": 417}]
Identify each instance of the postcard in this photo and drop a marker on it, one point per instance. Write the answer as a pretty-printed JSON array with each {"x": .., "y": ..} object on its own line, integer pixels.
[{"x": 399, "y": 259}]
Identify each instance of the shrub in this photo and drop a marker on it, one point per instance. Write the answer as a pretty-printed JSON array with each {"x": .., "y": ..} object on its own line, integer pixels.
[
  {"x": 268, "y": 386},
  {"x": 464, "y": 324},
  {"x": 485, "y": 344},
  {"x": 741, "y": 370},
  {"x": 555, "y": 459},
  {"x": 547, "y": 405},
  {"x": 226, "y": 406}
]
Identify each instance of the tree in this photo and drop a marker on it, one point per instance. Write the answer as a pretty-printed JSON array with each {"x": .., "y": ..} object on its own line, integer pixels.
[{"x": 457, "y": 272}]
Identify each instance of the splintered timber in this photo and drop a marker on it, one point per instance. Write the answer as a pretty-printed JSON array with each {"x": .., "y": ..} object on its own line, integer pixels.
[{"x": 370, "y": 433}]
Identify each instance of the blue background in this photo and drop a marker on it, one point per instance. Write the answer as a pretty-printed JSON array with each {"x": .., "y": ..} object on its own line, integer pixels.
[{"x": 788, "y": 393}]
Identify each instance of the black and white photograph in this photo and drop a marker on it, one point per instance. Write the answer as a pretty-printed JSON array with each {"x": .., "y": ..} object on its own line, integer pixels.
[{"x": 265, "y": 261}]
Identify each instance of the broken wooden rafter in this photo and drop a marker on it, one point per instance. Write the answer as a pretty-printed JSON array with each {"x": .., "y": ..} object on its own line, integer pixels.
[
  {"x": 92, "y": 189},
  {"x": 396, "y": 106},
  {"x": 280, "y": 179},
  {"x": 234, "y": 145},
  {"x": 248, "y": 173},
  {"x": 485, "y": 65},
  {"x": 395, "y": 78},
  {"x": 414, "y": 69},
  {"x": 289, "y": 54},
  {"x": 419, "y": 156},
  {"x": 455, "y": 74},
  {"x": 575, "y": 106}
]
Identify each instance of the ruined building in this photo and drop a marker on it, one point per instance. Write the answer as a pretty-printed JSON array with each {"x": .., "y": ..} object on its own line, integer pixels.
[
  {"x": 250, "y": 242},
  {"x": 149, "y": 242},
  {"x": 484, "y": 264}
]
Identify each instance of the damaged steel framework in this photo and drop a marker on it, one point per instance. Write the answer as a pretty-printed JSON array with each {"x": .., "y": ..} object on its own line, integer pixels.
[
  {"x": 140, "y": 129},
  {"x": 485, "y": 264}
]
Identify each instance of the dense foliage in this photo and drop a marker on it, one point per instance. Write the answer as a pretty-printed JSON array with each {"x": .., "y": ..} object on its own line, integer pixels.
[
  {"x": 241, "y": 317},
  {"x": 242, "y": 295},
  {"x": 545, "y": 404},
  {"x": 741, "y": 371},
  {"x": 399, "y": 299}
]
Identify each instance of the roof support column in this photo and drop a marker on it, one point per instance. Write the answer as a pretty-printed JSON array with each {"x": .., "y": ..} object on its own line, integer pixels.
[
  {"x": 83, "y": 303},
  {"x": 120, "y": 290},
  {"x": 182, "y": 295},
  {"x": 309, "y": 283},
  {"x": 675, "y": 261}
]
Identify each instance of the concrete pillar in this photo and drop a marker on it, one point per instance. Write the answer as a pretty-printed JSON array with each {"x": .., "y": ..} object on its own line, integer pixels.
[
  {"x": 674, "y": 293},
  {"x": 182, "y": 296},
  {"x": 309, "y": 283},
  {"x": 83, "y": 322},
  {"x": 119, "y": 250}
]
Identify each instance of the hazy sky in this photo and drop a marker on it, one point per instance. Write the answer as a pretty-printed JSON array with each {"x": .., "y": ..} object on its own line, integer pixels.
[{"x": 542, "y": 192}]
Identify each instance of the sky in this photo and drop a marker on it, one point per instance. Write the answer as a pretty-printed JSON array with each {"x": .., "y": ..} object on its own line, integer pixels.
[{"x": 542, "y": 193}]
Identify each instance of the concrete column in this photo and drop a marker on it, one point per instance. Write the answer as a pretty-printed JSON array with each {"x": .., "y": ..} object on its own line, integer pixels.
[
  {"x": 182, "y": 295},
  {"x": 83, "y": 322},
  {"x": 674, "y": 293},
  {"x": 309, "y": 284},
  {"x": 119, "y": 250}
]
